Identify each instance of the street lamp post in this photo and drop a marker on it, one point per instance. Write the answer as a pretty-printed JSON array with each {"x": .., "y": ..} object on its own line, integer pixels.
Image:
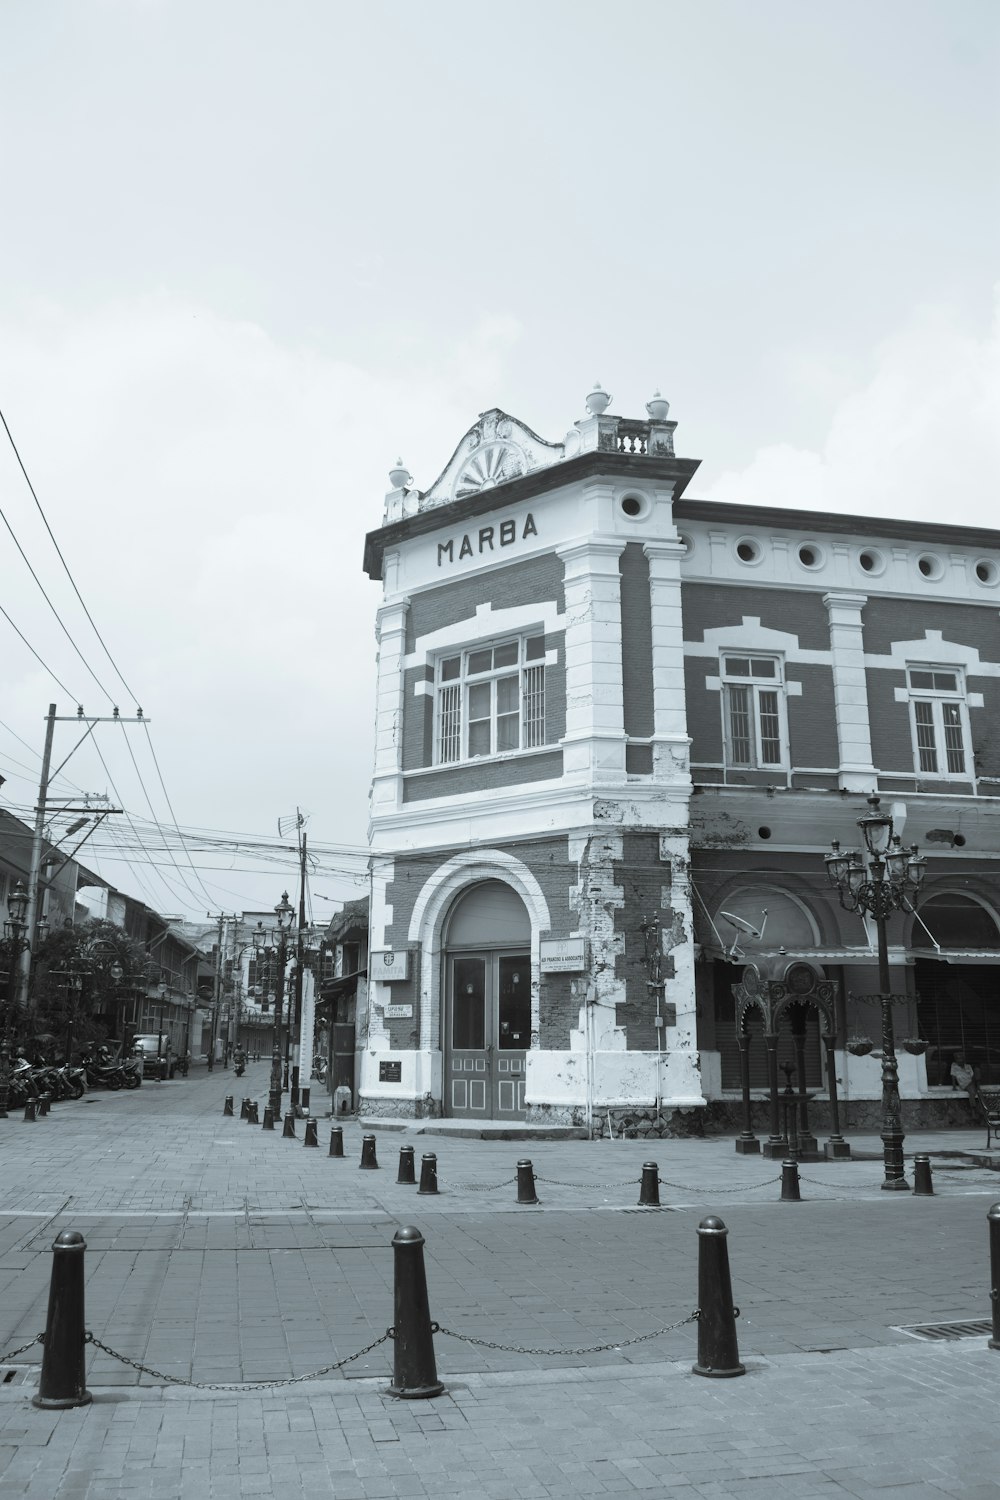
[
  {"x": 15, "y": 943},
  {"x": 877, "y": 883},
  {"x": 263, "y": 941}
]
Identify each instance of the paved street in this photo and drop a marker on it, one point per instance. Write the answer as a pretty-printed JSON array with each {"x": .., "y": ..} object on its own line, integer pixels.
[{"x": 221, "y": 1253}]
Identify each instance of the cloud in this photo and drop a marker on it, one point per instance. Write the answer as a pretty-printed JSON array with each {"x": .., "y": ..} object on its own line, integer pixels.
[{"x": 920, "y": 440}]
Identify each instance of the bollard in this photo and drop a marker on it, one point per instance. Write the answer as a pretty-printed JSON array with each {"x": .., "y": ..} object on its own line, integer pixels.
[
  {"x": 649, "y": 1188},
  {"x": 64, "y": 1376},
  {"x": 923, "y": 1186},
  {"x": 268, "y": 1118},
  {"x": 405, "y": 1173},
  {"x": 43, "y": 1105},
  {"x": 336, "y": 1141},
  {"x": 253, "y": 1113},
  {"x": 310, "y": 1138},
  {"x": 718, "y": 1351},
  {"x": 526, "y": 1183},
  {"x": 29, "y": 1110},
  {"x": 993, "y": 1219},
  {"x": 428, "y": 1174},
  {"x": 244, "y": 1109},
  {"x": 414, "y": 1372},
  {"x": 288, "y": 1132},
  {"x": 227, "y": 1108},
  {"x": 790, "y": 1182},
  {"x": 368, "y": 1153}
]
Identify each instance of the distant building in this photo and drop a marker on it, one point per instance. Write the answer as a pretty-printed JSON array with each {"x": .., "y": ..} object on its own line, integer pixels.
[{"x": 610, "y": 720}]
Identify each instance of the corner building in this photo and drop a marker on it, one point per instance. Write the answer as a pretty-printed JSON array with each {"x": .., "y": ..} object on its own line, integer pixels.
[{"x": 610, "y": 719}]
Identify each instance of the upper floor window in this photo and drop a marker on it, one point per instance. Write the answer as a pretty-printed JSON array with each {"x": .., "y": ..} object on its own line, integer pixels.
[
  {"x": 490, "y": 699},
  {"x": 938, "y": 720},
  {"x": 754, "y": 711}
]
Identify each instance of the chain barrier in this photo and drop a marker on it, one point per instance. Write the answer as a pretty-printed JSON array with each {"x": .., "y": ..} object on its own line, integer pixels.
[
  {"x": 743, "y": 1187},
  {"x": 6, "y": 1358},
  {"x": 555, "y": 1182},
  {"x": 838, "y": 1187},
  {"x": 242, "y": 1385},
  {"x": 487, "y": 1187},
  {"x": 640, "y": 1338}
]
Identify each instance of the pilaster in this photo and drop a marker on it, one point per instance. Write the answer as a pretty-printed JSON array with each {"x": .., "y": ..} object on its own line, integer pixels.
[
  {"x": 850, "y": 691},
  {"x": 594, "y": 744}
]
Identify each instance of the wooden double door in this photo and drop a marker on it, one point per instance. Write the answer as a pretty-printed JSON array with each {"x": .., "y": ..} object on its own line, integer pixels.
[{"x": 488, "y": 1032}]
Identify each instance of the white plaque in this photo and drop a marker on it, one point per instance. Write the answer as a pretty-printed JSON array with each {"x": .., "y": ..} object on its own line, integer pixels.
[
  {"x": 389, "y": 963},
  {"x": 398, "y": 1012},
  {"x": 563, "y": 955}
]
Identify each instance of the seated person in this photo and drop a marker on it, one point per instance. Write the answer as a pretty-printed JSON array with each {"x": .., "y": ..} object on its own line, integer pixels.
[{"x": 963, "y": 1075}]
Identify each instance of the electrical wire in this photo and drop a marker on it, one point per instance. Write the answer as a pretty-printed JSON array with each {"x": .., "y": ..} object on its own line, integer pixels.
[
  {"x": 69, "y": 575},
  {"x": 30, "y": 647},
  {"x": 173, "y": 815}
]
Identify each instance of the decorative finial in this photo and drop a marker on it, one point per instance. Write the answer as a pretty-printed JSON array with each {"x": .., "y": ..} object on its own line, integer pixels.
[
  {"x": 400, "y": 476},
  {"x": 657, "y": 408},
  {"x": 598, "y": 401}
]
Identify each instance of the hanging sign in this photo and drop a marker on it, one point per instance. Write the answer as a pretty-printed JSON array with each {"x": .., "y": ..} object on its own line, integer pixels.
[
  {"x": 563, "y": 955},
  {"x": 389, "y": 963}
]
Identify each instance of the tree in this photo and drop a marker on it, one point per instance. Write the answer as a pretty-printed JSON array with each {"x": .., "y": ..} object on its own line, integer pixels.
[{"x": 81, "y": 978}]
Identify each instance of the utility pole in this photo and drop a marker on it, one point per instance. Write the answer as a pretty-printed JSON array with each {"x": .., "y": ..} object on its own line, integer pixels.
[
  {"x": 293, "y": 1097},
  {"x": 38, "y": 837},
  {"x": 218, "y": 995}
]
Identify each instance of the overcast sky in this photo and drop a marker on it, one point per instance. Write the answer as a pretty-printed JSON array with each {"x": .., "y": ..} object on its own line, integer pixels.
[{"x": 251, "y": 252}]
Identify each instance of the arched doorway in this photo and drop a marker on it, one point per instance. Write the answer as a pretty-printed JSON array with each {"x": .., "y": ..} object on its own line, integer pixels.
[{"x": 487, "y": 1021}]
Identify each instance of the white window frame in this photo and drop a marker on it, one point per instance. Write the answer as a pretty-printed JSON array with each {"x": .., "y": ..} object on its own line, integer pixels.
[
  {"x": 937, "y": 698},
  {"x": 754, "y": 683},
  {"x": 452, "y": 716}
]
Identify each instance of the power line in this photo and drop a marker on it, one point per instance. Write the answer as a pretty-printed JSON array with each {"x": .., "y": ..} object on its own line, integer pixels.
[
  {"x": 30, "y": 647},
  {"x": 173, "y": 815},
  {"x": 69, "y": 575}
]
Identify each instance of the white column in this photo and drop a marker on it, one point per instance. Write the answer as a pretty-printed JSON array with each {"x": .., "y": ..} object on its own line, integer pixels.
[
  {"x": 387, "y": 780},
  {"x": 594, "y": 744},
  {"x": 850, "y": 691},
  {"x": 671, "y": 748}
]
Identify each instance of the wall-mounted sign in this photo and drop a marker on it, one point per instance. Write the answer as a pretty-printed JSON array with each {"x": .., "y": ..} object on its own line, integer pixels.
[
  {"x": 398, "y": 1012},
  {"x": 391, "y": 1072},
  {"x": 563, "y": 955},
  {"x": 389, "y": 963}
]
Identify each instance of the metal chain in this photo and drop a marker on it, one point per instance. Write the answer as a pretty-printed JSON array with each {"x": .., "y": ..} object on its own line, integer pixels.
[
  {"x": 835, "y": 1187},
  {"x": 743, "y": 1187},
  {"x": 554, "y": 1181},
  {"x": 480, "y": 1187},
  {"x": 207, "y": 1385},
  {"x": 640, "y": 1338},
  {"x": 6, "y": 1358}
]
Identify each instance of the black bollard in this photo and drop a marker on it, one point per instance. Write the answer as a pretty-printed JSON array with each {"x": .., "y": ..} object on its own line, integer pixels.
[
  {"x": 253, "y": 1115},
  {"x": 288, "y": 1130},
  {"x": 29, "y": 1110},
  {"x": 244, "y": 1109},
  {"x": 227, "y": 1108},
  {"x": 64, "y": 1376},
  {"x": 368, "y": 1153},
  {"x": 336, "y": 1141},
  {"x": 790, "y": 1182},
  {"x": 923, "y": 1186},
  {"x": 718, "y": 1351},
  {"x": 993, "y": 1219},
  {"x": 649, "y": 1188},
  {"x": 406, "y": 1174},
  {"x": 428, "y": 1174},
  {"x": 526, "y": 1183},
  {"x": 268, "y": 1118},
  {"x": 414, "y": 1372},
  {"x": 310, "y": 1138},
  {"x": 43, "y": 1105}
]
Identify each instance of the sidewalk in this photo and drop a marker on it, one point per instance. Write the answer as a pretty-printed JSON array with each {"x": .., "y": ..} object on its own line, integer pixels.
[{"x": 222, "y": 1253}]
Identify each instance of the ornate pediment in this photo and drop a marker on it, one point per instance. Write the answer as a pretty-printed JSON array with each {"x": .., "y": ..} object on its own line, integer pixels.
[{"x": 497, "y": 449}]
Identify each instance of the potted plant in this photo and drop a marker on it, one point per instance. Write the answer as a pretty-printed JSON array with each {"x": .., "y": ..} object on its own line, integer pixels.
[
  {"x": 860, "y": 1046},
  {"x": 914, "y": 1045}
]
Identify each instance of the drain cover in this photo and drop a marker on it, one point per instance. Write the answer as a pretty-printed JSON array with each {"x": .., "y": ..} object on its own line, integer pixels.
[
  {"x": 939, "y": 1333},
  {"x": 15, "y": 1374}
]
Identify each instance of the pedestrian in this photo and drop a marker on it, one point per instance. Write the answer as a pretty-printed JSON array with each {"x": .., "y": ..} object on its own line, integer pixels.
[{"x": 963, "y": 1076}]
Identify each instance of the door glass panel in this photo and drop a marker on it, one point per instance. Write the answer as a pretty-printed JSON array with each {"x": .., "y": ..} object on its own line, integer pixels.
[
  {"x": 468, "y": 1027},
  {"x": 514, "y": 1004}
]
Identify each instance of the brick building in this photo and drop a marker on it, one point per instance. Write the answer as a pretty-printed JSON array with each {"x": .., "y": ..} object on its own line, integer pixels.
[{"x": 612, "y": 718}]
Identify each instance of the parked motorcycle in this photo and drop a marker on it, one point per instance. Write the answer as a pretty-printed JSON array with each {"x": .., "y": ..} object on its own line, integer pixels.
[{"x": 102, "y": 1070}]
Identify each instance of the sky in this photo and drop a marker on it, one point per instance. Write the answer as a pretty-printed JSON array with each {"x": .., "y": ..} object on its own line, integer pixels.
[{"x": 251, "y": 253}]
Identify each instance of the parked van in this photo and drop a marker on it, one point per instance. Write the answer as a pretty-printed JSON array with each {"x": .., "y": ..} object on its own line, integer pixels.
[{"x": 158, "y": 1056}]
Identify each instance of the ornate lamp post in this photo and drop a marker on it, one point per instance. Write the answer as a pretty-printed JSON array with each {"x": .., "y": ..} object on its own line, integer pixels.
[
  {"x": 15, "y": 943},
  {"x": 264, "y": 942},
  {"x": 877, "y": 883}
]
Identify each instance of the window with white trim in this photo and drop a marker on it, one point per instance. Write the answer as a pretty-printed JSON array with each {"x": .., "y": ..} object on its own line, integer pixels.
[
  {"x": 938, "y": 720},
  {"x": 753, "y": 708},
  {"x": 490, "y": 699}
]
